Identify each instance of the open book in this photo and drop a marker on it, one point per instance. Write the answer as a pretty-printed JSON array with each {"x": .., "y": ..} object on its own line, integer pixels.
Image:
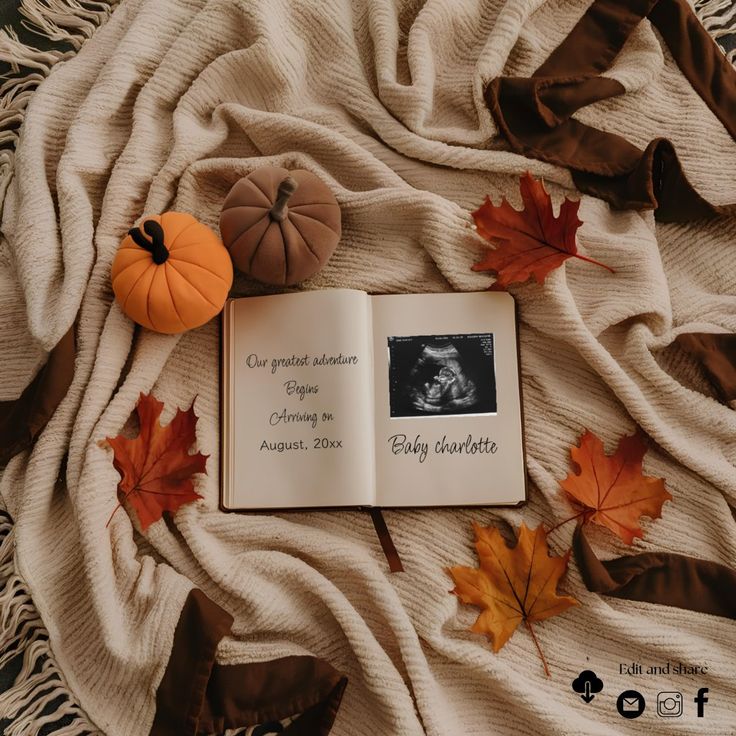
[{"x": 337, "y": 398}]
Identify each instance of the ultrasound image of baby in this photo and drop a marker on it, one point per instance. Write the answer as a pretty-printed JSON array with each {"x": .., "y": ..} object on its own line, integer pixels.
[
  {"x": 441, "y": 375},
  {"x": 438, "y": 383}
]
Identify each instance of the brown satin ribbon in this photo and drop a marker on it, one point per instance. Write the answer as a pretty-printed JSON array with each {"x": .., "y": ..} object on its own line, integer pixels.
[
  {"x": 387, "y": 544},
  {"x": 534, "y": 113},
  {"x": 658, "y": 577}
]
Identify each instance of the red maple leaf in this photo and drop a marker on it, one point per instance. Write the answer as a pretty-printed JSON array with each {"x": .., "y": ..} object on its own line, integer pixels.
[
  {"x": 530, "y": 242},
  {"x": 155, "y": 467}
]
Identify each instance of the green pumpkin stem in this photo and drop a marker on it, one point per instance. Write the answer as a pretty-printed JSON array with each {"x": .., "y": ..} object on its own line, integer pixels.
[
  {"x": 155, "y": 246},
  {"x": 287, "y": 187}
]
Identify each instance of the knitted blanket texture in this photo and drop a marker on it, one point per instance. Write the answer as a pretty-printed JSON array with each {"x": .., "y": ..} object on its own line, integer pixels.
[{"x": 166, "y": 107}]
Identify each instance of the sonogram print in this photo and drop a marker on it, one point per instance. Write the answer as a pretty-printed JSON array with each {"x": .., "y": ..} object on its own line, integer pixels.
[{"x": 442, "y": 375}]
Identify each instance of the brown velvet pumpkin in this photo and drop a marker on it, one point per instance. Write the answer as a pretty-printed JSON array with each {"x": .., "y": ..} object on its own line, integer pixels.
[
  {"x": 280, "y": 226},
  {"x": 172, "y": 273}
]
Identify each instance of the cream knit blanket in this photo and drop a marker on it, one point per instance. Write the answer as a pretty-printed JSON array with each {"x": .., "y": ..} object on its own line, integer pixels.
[{"x": 166, "y": 107}]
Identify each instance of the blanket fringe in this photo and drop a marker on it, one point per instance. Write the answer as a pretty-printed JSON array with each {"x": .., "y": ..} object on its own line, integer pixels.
[
  {"x": 265, "y": 729},
  {"x": 39, "y": 695},
  {"x": 69, "y": 22},
  {"x": 719, "y": 17}
]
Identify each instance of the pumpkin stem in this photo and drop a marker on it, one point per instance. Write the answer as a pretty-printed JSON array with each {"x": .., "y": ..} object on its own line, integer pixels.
[
  {"x": 156, "y": 245},
  {"x": 287, "y": 187}
]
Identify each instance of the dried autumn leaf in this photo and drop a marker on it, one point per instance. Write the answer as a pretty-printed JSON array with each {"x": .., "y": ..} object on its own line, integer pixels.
[
  {"x": 612, "y": 489},
  {"x": 155, "y": 467},
  {"x": 513, "y": 585},
  {"x": 530, "y": 242}
]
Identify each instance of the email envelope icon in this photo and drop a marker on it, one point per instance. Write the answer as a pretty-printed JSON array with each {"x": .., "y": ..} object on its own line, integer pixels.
[{"x": 630, "y": 704}]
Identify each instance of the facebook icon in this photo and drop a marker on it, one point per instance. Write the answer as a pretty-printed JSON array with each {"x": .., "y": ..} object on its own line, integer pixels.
[{"x": 701, "y": 699}]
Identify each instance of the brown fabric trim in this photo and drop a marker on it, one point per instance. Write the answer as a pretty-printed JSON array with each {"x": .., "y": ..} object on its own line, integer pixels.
[
  {"x": 717, "y": 355},
  {"x": 596, "y": 39},
  {"x": 197, "y": 696},
  {"x": 239, "y": 695},
  {"x": 318, "y": 720},
  {"x": 387, "y": 544},
  {"x": 533, "y": 113},
  {"x": 668, "y": 579},
  {"x": 22, "y": 420},
  {"x": 699, "y": 58}
]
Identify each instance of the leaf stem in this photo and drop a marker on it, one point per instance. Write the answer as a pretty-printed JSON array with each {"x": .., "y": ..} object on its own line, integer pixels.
[
  {"x": 592, "y": 260},
  {"x": 539, "y": 649},
  {"x": 562, "y": 523},
  {"x": 113, "y": 514},
  {"x": 120, "y": 503}
]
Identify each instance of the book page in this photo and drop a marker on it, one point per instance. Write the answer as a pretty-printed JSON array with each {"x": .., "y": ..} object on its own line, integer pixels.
[
  {"x": 447, "y": 401},
  {"x": 297, "y": 410}
]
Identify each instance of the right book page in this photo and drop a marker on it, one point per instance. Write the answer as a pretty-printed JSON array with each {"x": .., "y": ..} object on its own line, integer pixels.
[{"x": 447, "y": 400}]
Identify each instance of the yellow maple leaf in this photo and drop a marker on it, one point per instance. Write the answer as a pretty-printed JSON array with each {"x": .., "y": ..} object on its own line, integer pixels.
[{"x": 512, "y": 585}]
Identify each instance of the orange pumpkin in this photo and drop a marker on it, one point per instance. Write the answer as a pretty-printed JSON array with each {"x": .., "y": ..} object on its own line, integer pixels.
[{"x": 172, "y": 273}]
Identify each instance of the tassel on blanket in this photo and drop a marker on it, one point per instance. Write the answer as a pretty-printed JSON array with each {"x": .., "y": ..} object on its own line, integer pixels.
[
  {"x": 65, "y": 23},
  {"x": 719, "y": 19},
  {"x": 39, "y": 695},
  {"x": 69, "y": 21}
]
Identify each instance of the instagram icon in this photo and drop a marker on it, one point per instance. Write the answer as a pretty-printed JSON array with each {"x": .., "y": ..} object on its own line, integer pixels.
[{"x": 669, "y": 704}]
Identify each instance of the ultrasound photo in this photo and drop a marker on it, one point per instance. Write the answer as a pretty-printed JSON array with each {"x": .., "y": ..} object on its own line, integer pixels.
[{"x": 442, "y": 375}]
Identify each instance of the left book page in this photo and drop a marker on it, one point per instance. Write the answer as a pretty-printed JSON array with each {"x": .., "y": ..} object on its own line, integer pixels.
[{"x": 297, "y": 410}]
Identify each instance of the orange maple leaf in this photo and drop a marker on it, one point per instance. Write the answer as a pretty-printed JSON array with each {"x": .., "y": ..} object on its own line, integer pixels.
[
  {"x": 155, "y": 467},
  {"x": 513, "y": 584},
  {"x": 612, "y": 489},
  {"x": 530, "y": 242}
]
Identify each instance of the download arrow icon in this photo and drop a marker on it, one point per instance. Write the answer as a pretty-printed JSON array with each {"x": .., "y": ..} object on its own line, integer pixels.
[{"x": 587, "y": 683}]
